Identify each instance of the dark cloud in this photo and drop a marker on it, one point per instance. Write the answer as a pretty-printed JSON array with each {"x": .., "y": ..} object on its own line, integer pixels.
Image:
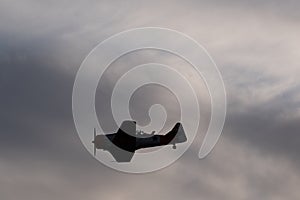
[{"x": 42, "y": 47}]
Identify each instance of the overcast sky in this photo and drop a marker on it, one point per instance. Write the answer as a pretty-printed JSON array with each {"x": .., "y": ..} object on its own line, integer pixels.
[{"x": 256, "y": 46}]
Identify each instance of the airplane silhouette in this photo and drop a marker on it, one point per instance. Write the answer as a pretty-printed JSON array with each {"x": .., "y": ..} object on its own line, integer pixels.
[{"x": 123, "y": 144}]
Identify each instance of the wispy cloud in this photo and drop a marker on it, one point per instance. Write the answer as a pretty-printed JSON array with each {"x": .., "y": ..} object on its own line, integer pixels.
[{"x": 256, "y": 47}]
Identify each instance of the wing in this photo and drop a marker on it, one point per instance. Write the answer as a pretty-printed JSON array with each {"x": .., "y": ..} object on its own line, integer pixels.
[
  {"x": 125, "y": 138},
  {"x": 125, "y": 142},
  {"x": 121, "y": 155}
]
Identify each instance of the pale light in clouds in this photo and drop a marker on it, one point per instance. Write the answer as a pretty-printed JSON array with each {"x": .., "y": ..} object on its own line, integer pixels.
[{"x": 256, "y": 46}]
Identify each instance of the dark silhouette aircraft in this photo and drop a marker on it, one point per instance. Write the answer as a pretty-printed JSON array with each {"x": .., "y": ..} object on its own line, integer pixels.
[{"x": 123, "y": 144}]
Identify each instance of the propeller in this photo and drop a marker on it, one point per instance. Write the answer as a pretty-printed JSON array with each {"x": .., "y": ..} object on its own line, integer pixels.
[{"x": 94, "y": 141}]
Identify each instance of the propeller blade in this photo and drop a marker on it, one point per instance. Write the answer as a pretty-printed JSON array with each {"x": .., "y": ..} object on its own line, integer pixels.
[{"x": 94, "y": 141}]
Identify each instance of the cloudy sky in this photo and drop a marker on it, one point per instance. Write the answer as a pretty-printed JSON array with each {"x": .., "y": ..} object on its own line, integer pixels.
[{"x": 256, "y": 46}]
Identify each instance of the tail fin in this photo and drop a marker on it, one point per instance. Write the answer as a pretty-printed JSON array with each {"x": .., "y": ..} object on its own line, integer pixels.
[{"x": 178, "y": 133}]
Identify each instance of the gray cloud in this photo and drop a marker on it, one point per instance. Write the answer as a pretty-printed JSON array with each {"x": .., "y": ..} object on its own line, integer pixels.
[{"x": 256, "y": 46}]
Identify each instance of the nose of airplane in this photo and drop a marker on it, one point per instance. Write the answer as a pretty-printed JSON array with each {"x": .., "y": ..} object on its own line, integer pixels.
[{"x": 98, "y": 142}]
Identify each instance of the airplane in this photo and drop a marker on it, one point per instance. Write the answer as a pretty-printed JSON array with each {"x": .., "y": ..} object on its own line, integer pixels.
[{"x": 123, "y": 144}]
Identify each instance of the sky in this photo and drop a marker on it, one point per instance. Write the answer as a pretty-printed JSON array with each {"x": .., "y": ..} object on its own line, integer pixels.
[{"x": 255, "y": 44}]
